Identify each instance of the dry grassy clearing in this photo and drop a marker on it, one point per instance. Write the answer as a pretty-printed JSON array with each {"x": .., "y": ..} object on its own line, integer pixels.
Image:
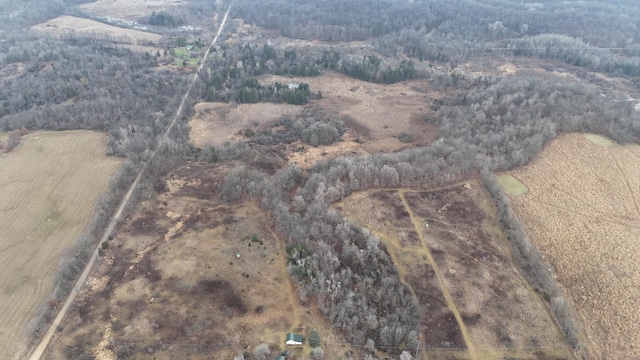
[
  {"x": 582, "y": 211},
  {"x": 73, "y": 25},
  {"x": 48, "y": 189},
  {"x": 173, "y": 287},
  {"x": 475, "y": 302},
  {"x": 217, "y": 123},
  {"x": 128, "y": 9},
  {"x": 376, "y": 112},
  {"x": 375, "y": 115}
]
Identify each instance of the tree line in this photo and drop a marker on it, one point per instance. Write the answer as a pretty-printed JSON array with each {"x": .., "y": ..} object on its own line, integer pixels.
[
  {"x": 455, "y": 31},
  {"x": 496, "y": 126}
]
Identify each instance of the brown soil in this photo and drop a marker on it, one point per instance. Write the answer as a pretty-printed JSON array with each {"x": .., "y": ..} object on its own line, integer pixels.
[
  {"x": 502, "y": 314},
  {"x": 11, "y": 71},
  {"x": 217, "y": 123},
  {"x": 171, "y": 286},
  {"x": 500, "y": 309},
  {"x": 439, "y": 326}
]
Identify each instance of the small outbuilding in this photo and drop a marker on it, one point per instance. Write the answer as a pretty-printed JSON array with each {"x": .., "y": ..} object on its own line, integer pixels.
[{"x": 294, "y": 339}]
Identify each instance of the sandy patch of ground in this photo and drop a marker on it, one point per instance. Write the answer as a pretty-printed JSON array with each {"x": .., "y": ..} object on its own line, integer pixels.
[
  {"x": 47, "y": 192},
  {"x": 129, "y": 9},
  {"x": 582, "y": 211},
  {"x": 69, "y": 24}
]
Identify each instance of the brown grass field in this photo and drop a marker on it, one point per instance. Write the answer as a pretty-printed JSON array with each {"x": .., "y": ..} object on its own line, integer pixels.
[
  {"x": 48, "y": 189},
  {"x": 582, "y": 211},
  {"x": 172, "y": 287},
  {"x": 128, "y": 9},
  {"x": 476, "y": 303},
  {"x": 69, "y": 24},
  {"x": 374, "y": 114}
]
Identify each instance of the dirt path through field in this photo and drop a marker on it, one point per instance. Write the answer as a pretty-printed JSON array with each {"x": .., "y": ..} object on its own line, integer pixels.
[
  {"x": 289, "y": 287},
  {"x": 38, "y": 351},
  {"x": 443, "y": 287}
]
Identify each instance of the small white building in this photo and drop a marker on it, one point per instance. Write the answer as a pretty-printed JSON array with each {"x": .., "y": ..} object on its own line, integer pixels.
[{"x": 294, "y": 339}]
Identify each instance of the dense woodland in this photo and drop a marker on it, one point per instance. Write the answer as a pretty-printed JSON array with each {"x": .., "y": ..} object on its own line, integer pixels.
[
  {"x": 485, "y": 124},
  {"x": 494, "y": 127},
  {"x": 456, "y": 31}
]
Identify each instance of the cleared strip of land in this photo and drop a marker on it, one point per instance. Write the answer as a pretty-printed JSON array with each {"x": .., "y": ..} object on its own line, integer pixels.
[
  {"x": 48, "y": 187},
  {"x": 451, "y": 253}
]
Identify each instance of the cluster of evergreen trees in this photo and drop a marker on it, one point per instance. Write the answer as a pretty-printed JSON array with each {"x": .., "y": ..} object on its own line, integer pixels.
[
  {"x": 231, "y": 75},
  {"x": 252, "y": 92},
  {"x": 163, "y": 18},
  {"x": 371, "y": 69}
]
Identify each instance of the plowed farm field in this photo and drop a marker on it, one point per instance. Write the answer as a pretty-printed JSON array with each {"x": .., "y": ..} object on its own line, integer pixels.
[
  {"x": 48, "y": 187},
  {"x": 582, "y": 211}
]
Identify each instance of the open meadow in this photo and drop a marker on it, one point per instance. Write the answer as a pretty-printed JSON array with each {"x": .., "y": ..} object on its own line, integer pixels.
[
  {"x": 190, "y": 276},
  {"x": 66, "y": 25},
  {"x": 48, "y": 189},
  {"x": 449, "y": 249},
  {"x": 582, "y": 212},
  {"x": 128, "y": 9},
  {"x": 377, "y": 116}
]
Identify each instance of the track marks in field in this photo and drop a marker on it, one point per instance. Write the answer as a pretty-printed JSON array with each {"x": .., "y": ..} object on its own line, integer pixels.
[
  {"x": 584, "y": 214},
  {"x": 627, "y": 183},
  {"x": 47, "y": 193},
  {"x": 577, "y": 213},
  {"x": 443, "y": 286}
]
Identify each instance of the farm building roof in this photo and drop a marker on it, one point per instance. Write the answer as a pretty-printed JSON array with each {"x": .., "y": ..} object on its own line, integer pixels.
[{"x": 291, "y": 337}]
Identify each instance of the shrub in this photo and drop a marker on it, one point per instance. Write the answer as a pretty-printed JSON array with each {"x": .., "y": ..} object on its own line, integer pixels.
[
  {"x": 317, "y": 353},
  {"x": 261, "y": 352},
  {"x": 314, "y": 338}
]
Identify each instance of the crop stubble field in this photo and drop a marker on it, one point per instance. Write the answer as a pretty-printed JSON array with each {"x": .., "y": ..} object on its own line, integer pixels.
[
  {"x": 473, "y": 298},
  {"x": 48, "y": 188},
  {"x": 582, "y": 212}
]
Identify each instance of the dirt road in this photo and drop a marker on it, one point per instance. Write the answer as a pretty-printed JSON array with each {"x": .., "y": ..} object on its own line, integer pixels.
[{"x": 38, "y": 351}]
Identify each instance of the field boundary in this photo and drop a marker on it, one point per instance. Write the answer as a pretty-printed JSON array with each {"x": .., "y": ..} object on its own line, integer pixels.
[
  {"x": 39, "y": 350},
  {"x": 534, "y": 266}
]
